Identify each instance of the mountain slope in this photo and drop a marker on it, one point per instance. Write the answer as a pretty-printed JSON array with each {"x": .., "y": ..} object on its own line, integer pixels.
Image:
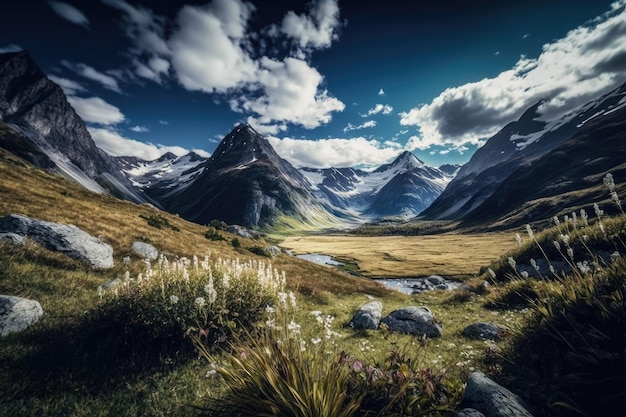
[
  {"x": 246, "y": 182},
  {"x": 33, "y": 106},
  {"x": 513, "y": 151},
  {"x": 403, "y": 187}
]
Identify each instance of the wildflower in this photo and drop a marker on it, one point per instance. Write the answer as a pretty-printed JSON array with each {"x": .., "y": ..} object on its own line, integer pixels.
[
  {"x": 609, "y": 182},
  {"x": 294, "y": 328},
  {"x": 356, "y": 366},
  {"x": 173, "y": 299},
  {"x": 491, "y": 273},
  {"x": 200, "y": 301},
  {"x": 292, "y": 299},
  {"x": 597, "y": 210},
  {"x": 270, "y": 310},
  {"x": 303, "y": 345},
  {"x": 552, "y": 269},
  {"x": 574, "y": 219},
  {"x": 126, "y": 260},
  {"x": 529, "y": 230},
  {"x": 316, "y": 341},
  {"x": 584, "y": 217},
  {"x": 565, "y": 238},
  {"x": 583, "y": 267},
  {"x": 282, "y": 297},
  {"x": 512, "y": 262},
  {"x": 602, "y": 229},
  {"x": 518, "y": 239},
  {"x": 534, "y": 264},
  {"x": 615, "y": 198},
  {"x": 212, "y": 371}
]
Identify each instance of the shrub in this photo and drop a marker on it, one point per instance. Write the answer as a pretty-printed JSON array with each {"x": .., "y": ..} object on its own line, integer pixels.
[
  {"x": 218, "y": 224},
  {"x": 158, "y": 221},
  {"x": 236, "y": 243},
  {"x": 213, "y": 234},
  {"x": 150, "y": 316}
]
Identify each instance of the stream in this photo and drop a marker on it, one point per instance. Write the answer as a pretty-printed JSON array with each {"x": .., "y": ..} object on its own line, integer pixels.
[{"x": 404, "y": 285}]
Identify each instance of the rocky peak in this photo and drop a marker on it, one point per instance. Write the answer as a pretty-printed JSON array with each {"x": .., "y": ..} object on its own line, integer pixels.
[{"x": 406, "y": 161}]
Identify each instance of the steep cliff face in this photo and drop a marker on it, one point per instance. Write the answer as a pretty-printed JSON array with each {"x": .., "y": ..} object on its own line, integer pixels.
[{"x": 36, "y": 107}]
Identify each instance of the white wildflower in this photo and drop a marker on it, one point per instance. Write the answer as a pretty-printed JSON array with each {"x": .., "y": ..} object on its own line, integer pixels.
[
  {"x": 609, "y": 182},
  {"x": 292, "y": 299},
  {"x": 534, "y": 264},
  {"x": 491, "y": 273},
  {"x": 173, "y": 299},
  {"x": 126, "y": 260},
  {"x": 583, "y": 267},
  {"x": 574, "y": 219},
  {"x": 294, "y": 327},
  {"x": 615, "y": 198},
  {"x": 570, "y": 252},
  {"x": 556, "y": 220},
  {"x": 512, "y": 262},
  {"x": 316, "y": 341},
  {"x": 270, "y": 310},
  {"x": 530, "y": 232},
  {"x": 565, "y": 238},
  {"x": 597, "y": 210},
  {"x": 584, "y": 217},
  {"x": 524, "y": 274},
  {"x": 200, "y": 301},
  {"x": 518, "y": 239}
]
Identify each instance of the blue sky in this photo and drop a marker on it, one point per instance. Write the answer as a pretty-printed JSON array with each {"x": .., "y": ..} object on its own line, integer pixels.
[{"x": 330, "y": 83}]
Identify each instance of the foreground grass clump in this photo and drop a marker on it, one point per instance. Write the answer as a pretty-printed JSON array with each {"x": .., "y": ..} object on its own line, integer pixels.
[
  {"x": 569, "y": 358},
  {"x": 282, "y": 372},
  {"x": 150, "y": 316}
]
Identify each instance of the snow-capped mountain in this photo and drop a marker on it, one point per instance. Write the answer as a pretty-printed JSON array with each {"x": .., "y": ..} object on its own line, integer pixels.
[
  {"x": 482, "y": 187},
  {"x": 403, "y": 187},
  {"x": 36, "y": 109},
  {"x": 164, "y": 175}
]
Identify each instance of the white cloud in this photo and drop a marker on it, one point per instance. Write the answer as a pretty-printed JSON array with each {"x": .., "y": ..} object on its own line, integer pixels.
[
  {"x": 381, "y": 92},
  {"x": 164, "y": 122},
  {"x": 147, "y": 32},
  {"x": 139, "y": 129},
  {"x": 69, "y": 13},
  {"x": 350, "y": 126},
  {"x": 379, "y": 108},
  {"x": 292, "y": 94},
  {"x": 91, "y": 73},
  {"x": 221, "y": 63},
  {"x": 326, "y": 153},
  {"x": 569, "y": 72},
  {"x": 10, "y": 48},
  {"x": 96, "y": 110},
  {"x": 115, "y": 144},
  {"x": 202, "y": 153},
  {"x": 69, "y": 87},
  {"x": 317, "y": 29}
]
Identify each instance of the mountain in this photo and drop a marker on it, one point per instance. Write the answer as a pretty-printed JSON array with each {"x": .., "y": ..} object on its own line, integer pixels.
[
  {"x": 35, "y": 109},
  {"x": 532, "y": 161},
  {"x": 246, "y": 182},
  {"x": 403, "y": 187},
  {"x": 164, "y": 175}
]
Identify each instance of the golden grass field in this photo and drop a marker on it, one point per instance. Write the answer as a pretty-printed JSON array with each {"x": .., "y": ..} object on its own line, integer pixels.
[{"x": 409, "y": 256}]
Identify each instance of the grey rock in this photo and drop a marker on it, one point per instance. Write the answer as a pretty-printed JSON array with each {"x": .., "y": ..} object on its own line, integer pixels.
[
  {"x": 65, "y": 238},
  {"x": 11, "y": 238},
  {"x": 367, "y": 316},
  {"x": 413, "y": 320},
  {"x": 17, "y": 313},
  {"x": 272, "y": 251},
  {"x": 436, "y": 280},
  {"x": 145, "y": 250},
  {"x": 492, "y": 399},
  {"x": 240, "y": 231},
  {"x": 484, "y": 330},
  {"x": 468, "y": 412}
]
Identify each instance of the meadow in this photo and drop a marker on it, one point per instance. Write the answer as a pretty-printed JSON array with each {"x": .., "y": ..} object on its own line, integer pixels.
[{"x": 185, "y": 335}]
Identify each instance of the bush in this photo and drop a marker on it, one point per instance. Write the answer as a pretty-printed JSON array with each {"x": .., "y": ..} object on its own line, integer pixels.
[
  {"x": 217, "y": 224},
  {"x": 236, "y": 243},
  {"x": 158, "y": 221},
  {"x": 213, "y": 234}
]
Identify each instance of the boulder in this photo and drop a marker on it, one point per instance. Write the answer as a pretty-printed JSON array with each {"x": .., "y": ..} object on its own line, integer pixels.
[
  {"x": 17, "y": 313},
  {"x": 491, "y": 399},
  {"x": 65, "y": 238},
  {"x": 145, "y": 250},
  {"x": 436, "y": 280},
  {"x": 367, "y": 316},
  {"x": 240, "y": 231},
  {"x": 272, "y": 251},
  {"x": 413, "y": 320},
  {"x": 484, "y": 330},
  {"x": 11, "y": 238}
]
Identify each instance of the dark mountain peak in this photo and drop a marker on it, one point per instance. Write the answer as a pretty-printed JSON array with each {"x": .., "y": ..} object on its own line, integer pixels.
[
  {"x": 193, "y": 157},
  {"x": 241, "y": 147},
  {"x": 450, "y": 169}
]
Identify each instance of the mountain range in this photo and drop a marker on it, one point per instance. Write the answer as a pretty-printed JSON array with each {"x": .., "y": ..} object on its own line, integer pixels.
[{"x": 530, "y": 165}]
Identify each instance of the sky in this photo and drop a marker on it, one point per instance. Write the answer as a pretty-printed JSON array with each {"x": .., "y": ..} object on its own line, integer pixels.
[{"x": 328, "y": 82}]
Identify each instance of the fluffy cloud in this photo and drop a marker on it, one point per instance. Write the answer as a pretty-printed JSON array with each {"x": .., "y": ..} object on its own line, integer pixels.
[
  {"x": 139, "y": 129},
  {"x": 317, "y": 29},
  {"x": 326, "y": 153},
  {"x": 115, "y": 144},
  {"x": 147, "y": 32},
  {"x": 91, "y": 73},
  {"x": 568, "y": 73},
  {"x": 381, "y": 92},
  {"x": 273, "y": 91},
  {"x": 70, "y": 87},
  {"x": 69, "y": 13},
  {"x": 379, "y": 108},
  {"x": 222, "y": 63},
  {"x": 96, "y": 110},
  {"x": 350, "y": 126}
]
